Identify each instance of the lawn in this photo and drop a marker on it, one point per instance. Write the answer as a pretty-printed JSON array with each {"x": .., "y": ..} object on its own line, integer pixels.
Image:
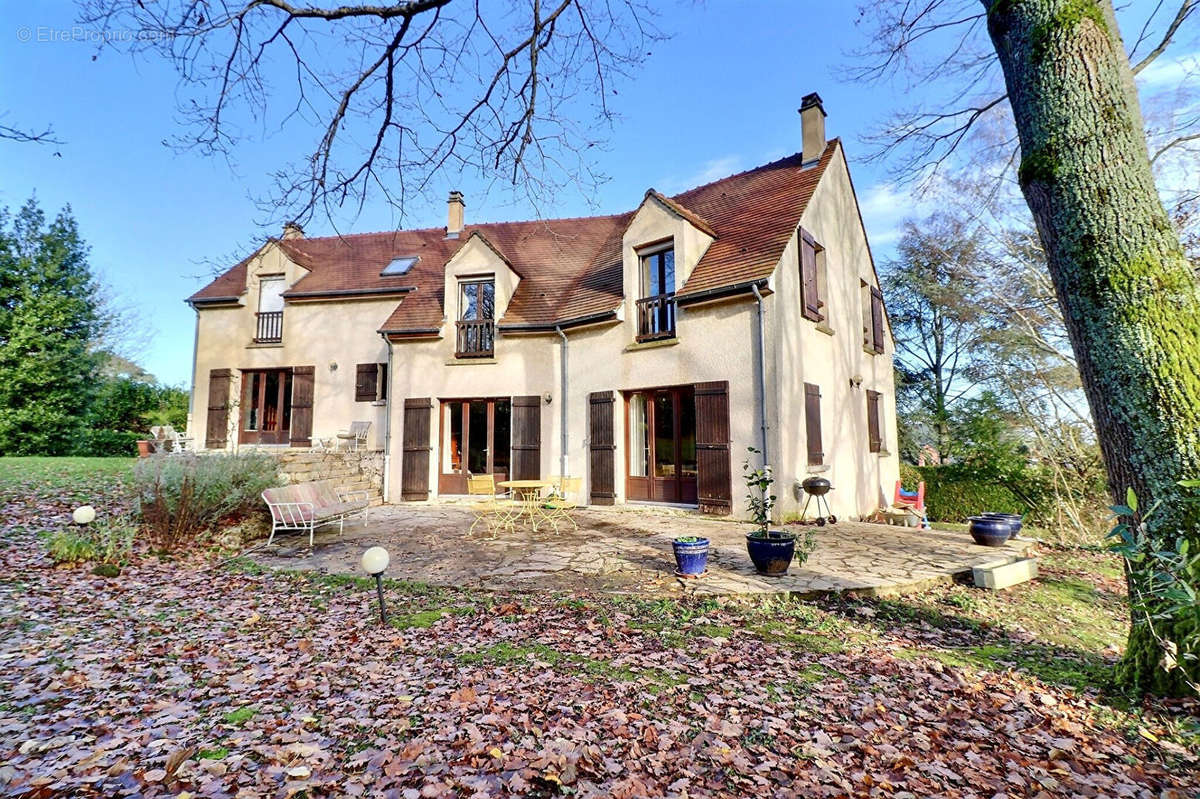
[{"x": 222, "y": 679}]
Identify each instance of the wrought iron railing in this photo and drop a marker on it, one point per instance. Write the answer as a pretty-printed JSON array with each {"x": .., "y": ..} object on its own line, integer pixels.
[
  {"x": 476, "y": 338},
  {"x": 270, "y": 327},
  {"x": 656, "y": 317}
]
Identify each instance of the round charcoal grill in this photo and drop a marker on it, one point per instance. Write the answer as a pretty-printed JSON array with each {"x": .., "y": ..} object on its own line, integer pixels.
[{"x": 817, "y": 488}]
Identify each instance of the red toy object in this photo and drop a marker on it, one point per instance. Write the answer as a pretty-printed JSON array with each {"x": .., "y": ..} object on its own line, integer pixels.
[{"x": 910, "y": 499}]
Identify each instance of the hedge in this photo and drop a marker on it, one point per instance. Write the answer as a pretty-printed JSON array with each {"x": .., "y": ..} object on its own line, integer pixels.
[
  {"x": 953, "y": 493},
  {"x": 108, "y": 444}
]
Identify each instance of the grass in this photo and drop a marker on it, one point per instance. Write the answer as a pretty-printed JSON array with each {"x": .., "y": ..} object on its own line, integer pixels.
[
  {"x": 73, "y": 480},
  {"x": 240, "y": 716}
]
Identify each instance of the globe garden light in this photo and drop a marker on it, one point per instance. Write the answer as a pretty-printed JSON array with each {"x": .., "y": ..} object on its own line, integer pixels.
[
  {"x": 86, "y": 514},
  {"x": 374, "y": 561}
]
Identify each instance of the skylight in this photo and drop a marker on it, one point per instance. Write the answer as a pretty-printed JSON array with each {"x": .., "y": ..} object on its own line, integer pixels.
[{"x": 399, "y": 266}]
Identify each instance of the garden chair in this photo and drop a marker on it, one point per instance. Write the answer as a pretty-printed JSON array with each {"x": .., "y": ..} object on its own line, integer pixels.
[
  {"x": 559, "y": 504},
  {"x": 355, "y": 437},
  {"x": 493, "y": 511}
]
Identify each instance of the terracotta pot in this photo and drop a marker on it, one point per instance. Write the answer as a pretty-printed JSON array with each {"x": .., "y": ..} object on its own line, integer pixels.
[{"x": 145, "y": 449}]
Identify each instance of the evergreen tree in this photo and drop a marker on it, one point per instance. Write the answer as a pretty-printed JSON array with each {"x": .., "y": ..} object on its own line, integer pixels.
[{"x": 48, "y": 321}]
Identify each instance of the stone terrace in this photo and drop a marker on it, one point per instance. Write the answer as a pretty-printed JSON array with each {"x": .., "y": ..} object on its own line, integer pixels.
[{"x": 628, "y": 551}]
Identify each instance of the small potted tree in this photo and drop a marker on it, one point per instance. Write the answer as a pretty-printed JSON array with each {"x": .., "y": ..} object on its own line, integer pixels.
[{"x": 771, "y": 550}]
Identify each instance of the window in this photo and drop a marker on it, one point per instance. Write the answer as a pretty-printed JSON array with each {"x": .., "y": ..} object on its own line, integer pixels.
[
  {"x": 269, "y": 319},
  {"x": 812, "y": 278},
  {"x": 872, "y": 317},
  {"x": 875, "y": 421},
  {"x": 476, "y": 318},
  {"x": 812, "y": 424},
  {"x": 370, "y": 382},
  {"x": 656, "y": 306},
  {"x": 399, "y": 266}
]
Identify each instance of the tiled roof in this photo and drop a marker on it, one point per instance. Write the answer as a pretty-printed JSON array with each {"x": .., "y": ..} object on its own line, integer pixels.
[{"x": 570, "y": 268}]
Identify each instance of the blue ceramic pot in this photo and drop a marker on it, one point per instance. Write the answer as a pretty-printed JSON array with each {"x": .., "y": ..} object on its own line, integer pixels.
[
  {"x": 1011, "y": 518},
  {"x": 990, "y": 532},
  {"x": 772, "y": 555},
  {"x": 691, "y": 557}
]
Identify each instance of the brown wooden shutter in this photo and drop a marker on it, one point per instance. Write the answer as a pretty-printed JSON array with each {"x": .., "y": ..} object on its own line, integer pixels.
[
  {"x": 602, "y": 448},
  {"x": 217, "y": 424},
  {"x": 526, "y": 438},
  {"x": 809, "y": 286},
  {"x": 414, "y": 465},
  {"x": 812, "y": 424},
  {"x": 877, "y": 318},
  {"x": 300, "y": 434},
  {"x": 365, "y": 378},
  {"x": 714, "y": 485},
  {"x": 874, "y": 437}
]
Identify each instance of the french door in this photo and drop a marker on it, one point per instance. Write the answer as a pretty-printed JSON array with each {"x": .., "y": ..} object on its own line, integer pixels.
[
  {"x": 476, "y": 438},
  {"x": 266, "y": 414},
  {"x": 661, "y": 425}
]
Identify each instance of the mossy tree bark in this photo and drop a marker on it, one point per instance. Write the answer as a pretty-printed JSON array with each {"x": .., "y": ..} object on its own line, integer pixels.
[{"x": 1129, "y": 299}]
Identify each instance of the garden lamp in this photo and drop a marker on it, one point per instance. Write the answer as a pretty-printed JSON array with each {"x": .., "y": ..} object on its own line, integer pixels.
[
  {"x": 84, "y": 514},
  {"x": 374, "y": 561}
]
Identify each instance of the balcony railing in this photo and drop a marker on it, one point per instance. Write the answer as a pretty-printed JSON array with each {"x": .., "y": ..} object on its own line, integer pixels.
[
  {"x": 269, "y": 329},
  {"x": 476, "y": 338},
  {"x": 656, "y": 317}
]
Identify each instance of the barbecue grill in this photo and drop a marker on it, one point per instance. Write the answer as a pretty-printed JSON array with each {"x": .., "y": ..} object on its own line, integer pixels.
[{"x": 817, "y": 488}]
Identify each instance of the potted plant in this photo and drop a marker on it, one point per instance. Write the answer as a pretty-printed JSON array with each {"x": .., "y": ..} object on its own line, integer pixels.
[
  {"x": 691, "y": 555},
  {"x": 771, "y": 550}
]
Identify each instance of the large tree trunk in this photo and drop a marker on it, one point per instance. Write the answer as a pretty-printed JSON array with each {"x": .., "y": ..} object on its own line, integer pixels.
[{"x": 1130, "y": 301}]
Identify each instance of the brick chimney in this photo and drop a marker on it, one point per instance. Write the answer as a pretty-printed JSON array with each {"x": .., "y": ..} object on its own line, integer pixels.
[
  {"x": 291, "y": 230},
  {"x": 812, "y": 127},
  {"x": 454, "y": 214}
]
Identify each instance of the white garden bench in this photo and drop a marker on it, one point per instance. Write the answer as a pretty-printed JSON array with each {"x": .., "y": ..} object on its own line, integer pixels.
[{"x": 306, "y": 506}]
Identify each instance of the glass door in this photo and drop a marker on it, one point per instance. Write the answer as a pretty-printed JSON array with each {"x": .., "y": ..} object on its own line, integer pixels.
[
  {"x": 266, "y": 412},
  {"x": 662, "y": 445},
  {"x": 475, "y": 439}
]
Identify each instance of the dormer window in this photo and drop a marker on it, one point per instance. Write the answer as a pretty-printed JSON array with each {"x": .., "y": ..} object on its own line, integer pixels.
[
  {"x": 656, "y": 306},
  {"x": 399, "y": 266},
  {"x": 476, "y": 318}
]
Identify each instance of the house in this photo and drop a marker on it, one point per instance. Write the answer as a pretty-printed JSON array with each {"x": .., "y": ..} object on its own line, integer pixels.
[{"x": 642, "y": 351}]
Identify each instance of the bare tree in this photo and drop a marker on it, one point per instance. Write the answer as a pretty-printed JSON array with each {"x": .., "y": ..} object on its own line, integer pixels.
[
  {"x": 406, "y": 95},
  {"x": 1129, "y": 296},
  {"x": 28, "y": 135}
]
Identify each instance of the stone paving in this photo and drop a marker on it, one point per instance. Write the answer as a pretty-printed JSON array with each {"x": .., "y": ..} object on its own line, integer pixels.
[{"x": 628, "y": 550}]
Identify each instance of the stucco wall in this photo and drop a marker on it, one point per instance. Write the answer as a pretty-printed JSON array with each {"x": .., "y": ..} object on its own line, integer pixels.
[
  {"x": 317, "y": 334},
  {"x": 830, "y": 355}
]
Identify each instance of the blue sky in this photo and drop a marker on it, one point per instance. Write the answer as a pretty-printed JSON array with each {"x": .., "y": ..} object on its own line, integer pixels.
[{"x": 720, "y": 96}]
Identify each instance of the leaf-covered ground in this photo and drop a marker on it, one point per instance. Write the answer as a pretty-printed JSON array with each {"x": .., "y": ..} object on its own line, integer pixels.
[{"x": 178, "y": 677}]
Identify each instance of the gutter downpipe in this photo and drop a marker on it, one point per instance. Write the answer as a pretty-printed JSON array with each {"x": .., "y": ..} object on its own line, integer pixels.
[
  {"x": 387, "y": 426},
  {"x": 562, "y": 391},
  {"x": 762, "y": 373}
]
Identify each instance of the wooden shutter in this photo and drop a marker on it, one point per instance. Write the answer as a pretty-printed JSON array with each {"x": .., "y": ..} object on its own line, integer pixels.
[
  {"x": 300, "y": 434},
  {"x": 414, "y": 465},
  {"x": 714, "y": 485},
  {"x": 217, "y": 425},
  {"x": 874, "y": 436},
  {"x": 602, "y": 449},
  {"x": 526, "y": 438},
  {"x": 366, "y": 377},
  {"x": 877, "y": 319},
  {"x": 809, "y": 285},
  {"x": 812, "y": 424}
]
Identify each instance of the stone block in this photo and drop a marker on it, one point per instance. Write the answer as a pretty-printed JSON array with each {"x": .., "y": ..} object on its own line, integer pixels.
[{"x": 1003, "y": 574}]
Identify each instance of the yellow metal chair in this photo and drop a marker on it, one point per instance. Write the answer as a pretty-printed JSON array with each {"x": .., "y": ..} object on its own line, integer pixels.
[
  {"x": 493, "y": 511},
  {"x": 558, "y": 505}
]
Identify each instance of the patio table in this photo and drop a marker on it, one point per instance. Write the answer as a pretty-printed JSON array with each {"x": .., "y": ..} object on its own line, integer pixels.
[{"x": 529, "y": 496}]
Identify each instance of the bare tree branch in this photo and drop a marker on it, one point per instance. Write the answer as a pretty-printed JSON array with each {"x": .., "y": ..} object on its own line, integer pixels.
[{"x": 1185, "y": 10}]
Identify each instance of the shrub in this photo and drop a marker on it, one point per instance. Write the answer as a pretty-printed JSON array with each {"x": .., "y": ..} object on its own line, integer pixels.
[
  {"x": 107, "y": 540},
  {"x": 108, "y": 443},
  {"x": 953, "y": 493},
  {"x": 182, "y": 496}
]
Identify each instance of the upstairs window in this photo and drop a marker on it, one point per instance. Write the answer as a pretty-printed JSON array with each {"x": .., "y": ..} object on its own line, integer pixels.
[
  {"x": 812, "y": 279},
  {"x": 476, "y": 318},
  {"x": 370, "y": 382},
  {"x": 268, "y": 327},
  {"x": 872, "y": 317},
  {"x": 656, "y": 306}
]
